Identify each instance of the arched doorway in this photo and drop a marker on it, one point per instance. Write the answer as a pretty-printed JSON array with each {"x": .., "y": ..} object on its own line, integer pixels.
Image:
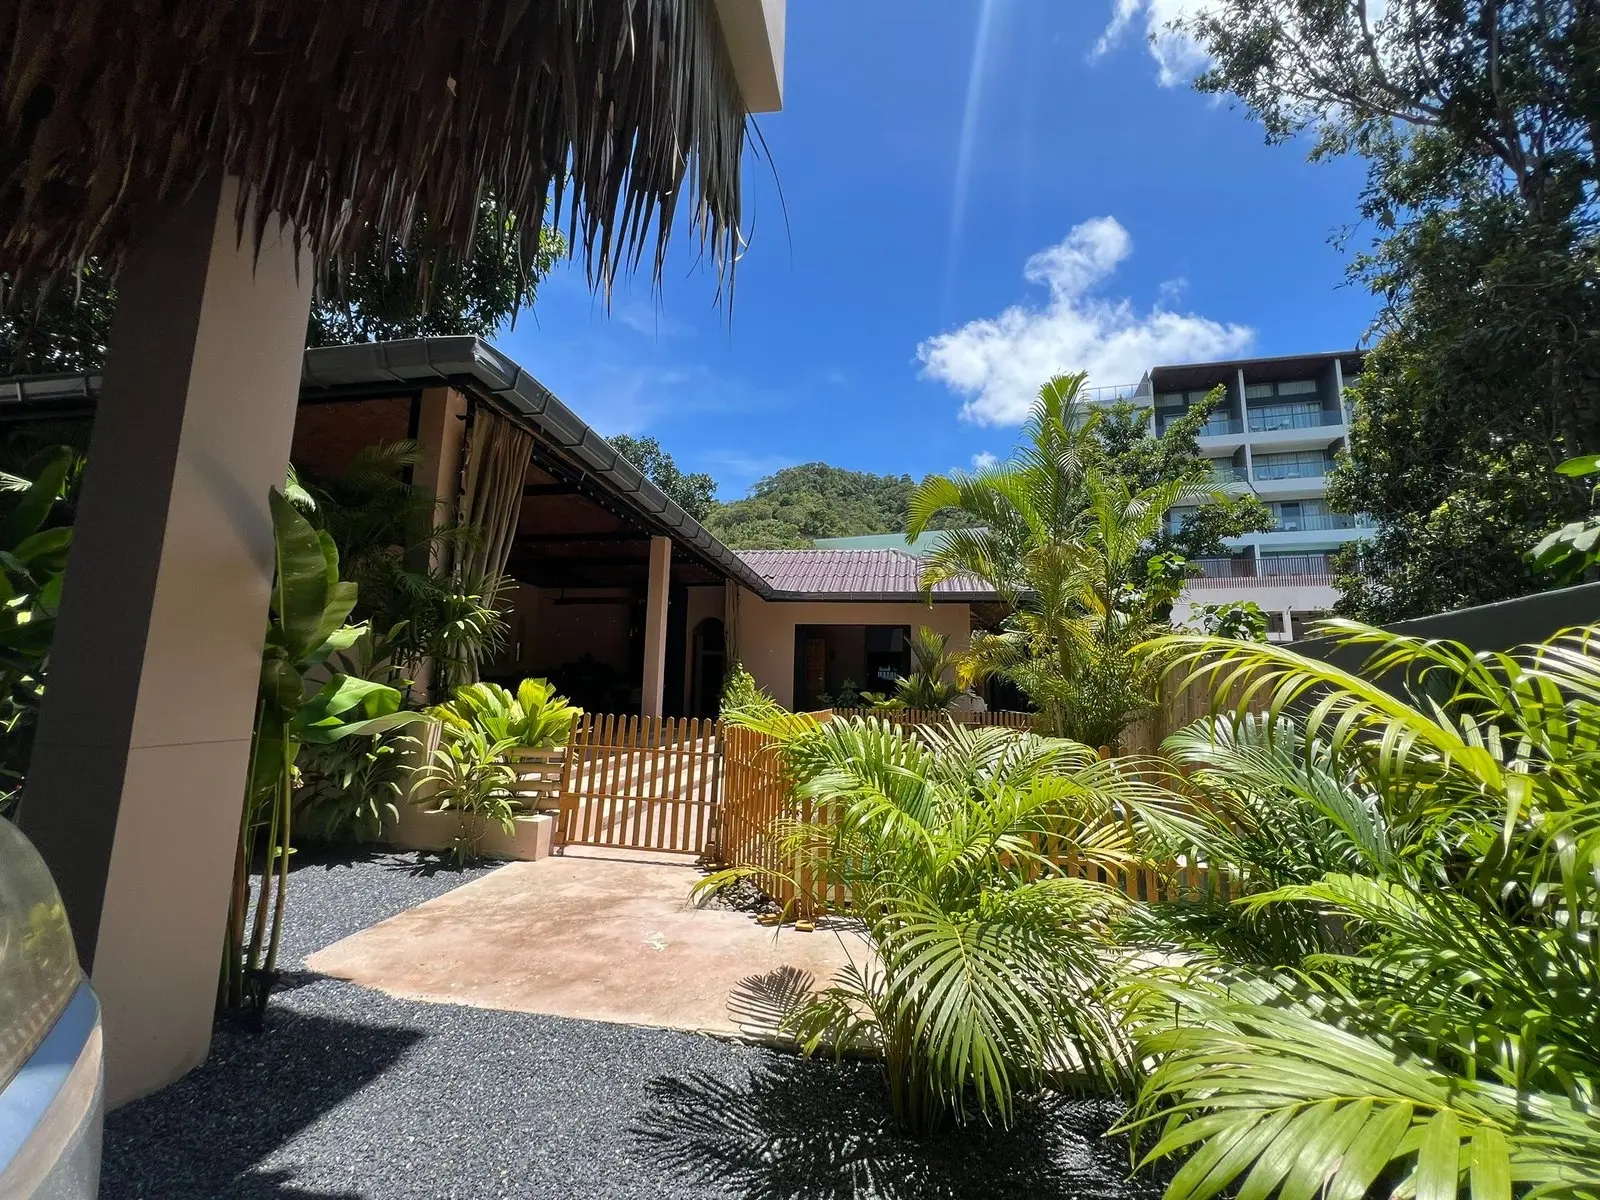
[{"x": 709, "y": 664}]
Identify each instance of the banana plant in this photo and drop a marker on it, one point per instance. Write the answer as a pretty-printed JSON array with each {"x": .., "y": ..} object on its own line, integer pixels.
[
  {"x": 33, "y": 555},
  {"x": 306, "y": 627}
]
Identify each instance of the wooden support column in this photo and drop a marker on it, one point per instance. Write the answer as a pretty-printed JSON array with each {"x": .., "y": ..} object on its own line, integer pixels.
[
  {"x": 137, "y": 781},
  {"x": 652, "y": 698}
]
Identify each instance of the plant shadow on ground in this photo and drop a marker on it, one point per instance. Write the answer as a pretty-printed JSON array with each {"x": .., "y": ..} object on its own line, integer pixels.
[
  {"x": 203, "y": 1136},
  {"x": 819, "y": 1130}
]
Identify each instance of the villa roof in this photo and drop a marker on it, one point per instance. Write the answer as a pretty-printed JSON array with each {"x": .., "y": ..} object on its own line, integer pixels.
[
  {"x": 881, "y": 574},
  {"x": 386, "y": 368}
]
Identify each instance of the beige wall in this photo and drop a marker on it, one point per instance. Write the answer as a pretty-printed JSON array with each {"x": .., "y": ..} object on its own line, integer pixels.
[
  {"x": 766, "y": 631},
  {"x": 703, "y": 602}
]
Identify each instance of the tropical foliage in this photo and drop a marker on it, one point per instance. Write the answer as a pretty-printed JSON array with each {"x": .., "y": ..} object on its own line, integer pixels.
[
  {"x": 1570, "y": 554},
  {"x": 695, "y": 493},
  {"x": 931, "y": 686},
  {"x": 385, "y": 530},
  {"x": 306, "y": 626},
  {"x": 531, "y": 718},
  {"x": 741, "y": 693},
  {"x": 468, "y": 773},
  {"x": 1067, "y": 543},
  {"x": 988, "y": 966},
  {"x": 34, "y": 541},
  {"x": 1475, "y": 120},
  {"x": 1405, "y": 997}
]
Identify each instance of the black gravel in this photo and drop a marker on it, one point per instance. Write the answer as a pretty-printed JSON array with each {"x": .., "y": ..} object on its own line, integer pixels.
[{"x": 348, "y": 1093}]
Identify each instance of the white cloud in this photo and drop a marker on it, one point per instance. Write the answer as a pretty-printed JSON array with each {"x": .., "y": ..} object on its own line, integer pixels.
[
  {"x": 983, "y": 460},
  {"x": 998, "y": 363},
  {"x": 1178, "y": 58}
]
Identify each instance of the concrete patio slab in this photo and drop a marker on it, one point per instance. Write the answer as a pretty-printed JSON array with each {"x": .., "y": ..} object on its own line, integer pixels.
[{"x": 602, "y": 936}]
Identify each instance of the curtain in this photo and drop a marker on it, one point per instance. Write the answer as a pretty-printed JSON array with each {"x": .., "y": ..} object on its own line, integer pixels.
[
  {"x": 491, "y": 498},
  {"x": 730, "y": 622}
]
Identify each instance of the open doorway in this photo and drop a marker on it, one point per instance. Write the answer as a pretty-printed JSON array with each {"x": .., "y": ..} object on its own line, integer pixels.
[{"x": 831, "y": 661}]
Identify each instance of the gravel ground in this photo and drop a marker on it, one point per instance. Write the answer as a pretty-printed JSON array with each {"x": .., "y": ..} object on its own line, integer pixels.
[{"x": 348, "y": 1094}]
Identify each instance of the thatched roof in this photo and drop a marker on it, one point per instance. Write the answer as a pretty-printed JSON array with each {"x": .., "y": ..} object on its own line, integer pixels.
[{"x": 357, "y": 115}]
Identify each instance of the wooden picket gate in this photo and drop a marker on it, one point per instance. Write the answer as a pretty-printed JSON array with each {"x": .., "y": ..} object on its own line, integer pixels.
[{"x": 642, "y": 783}]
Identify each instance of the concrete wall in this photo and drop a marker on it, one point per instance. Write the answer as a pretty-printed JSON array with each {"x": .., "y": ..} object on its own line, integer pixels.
[
  {"x": 1499, "y": 626},
  {"x": 766, "y": 631},
  {"x": 1285, "y": 600},
  {"x": 703, "y": 602}
]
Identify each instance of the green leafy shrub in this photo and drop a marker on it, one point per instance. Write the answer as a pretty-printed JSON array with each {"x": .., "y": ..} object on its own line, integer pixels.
[
  {"x": 349, "y": 789},
  {"x": 33, "y": 554},
  {"x": 468, "y": 774},
  {"x": 534, "y": 718},
  {"x": 990, "y": 965},
  {"x": 742, "y": 696}
]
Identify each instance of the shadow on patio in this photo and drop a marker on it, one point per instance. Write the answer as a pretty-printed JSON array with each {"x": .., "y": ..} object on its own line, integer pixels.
[{"x": 811, "y": 1131}]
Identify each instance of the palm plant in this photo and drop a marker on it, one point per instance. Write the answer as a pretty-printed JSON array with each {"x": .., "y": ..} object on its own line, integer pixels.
[
  {"x": 1067, "y": 545},
  {"x": 988, "y": 964},
  {"x": 306, "y": 627},
  {"x": 390, "y": 545},
  {"x": 1446, "y": 1036},
  {"x": 931, "y": 686}
]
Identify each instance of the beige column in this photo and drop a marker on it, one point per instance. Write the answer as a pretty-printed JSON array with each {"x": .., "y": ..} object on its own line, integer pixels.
[
  {"x": 441, "y": 434},
  {"x": 655, "y": 627},
  {"x": 137, "y": 779}
]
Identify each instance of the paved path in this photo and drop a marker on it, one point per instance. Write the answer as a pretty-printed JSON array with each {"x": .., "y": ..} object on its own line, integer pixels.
[
  {"x": 603, "y": 936},
  {"x": 348, "y": 1094}
]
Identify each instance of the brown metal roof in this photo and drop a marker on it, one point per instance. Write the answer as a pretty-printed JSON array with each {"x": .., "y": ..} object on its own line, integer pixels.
[{"x": 854, "y": 575}]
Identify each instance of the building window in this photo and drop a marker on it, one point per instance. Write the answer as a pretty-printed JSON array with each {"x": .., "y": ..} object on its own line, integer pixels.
[
  {"x": 1292, "y": 464},
  {"x": 1289, "y": 387},
  {"x": 1295, "y": 414}
]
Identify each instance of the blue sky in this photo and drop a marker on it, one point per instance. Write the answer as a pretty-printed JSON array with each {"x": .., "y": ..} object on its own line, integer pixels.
[{"x": 977, "y": 193}]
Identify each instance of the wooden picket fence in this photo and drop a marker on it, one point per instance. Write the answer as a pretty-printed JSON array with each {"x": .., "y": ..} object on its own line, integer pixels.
[
  {"x": 759, "y": 802},
  {"x": 921, "y": 716},
  {"x": 641, "y": 783}
]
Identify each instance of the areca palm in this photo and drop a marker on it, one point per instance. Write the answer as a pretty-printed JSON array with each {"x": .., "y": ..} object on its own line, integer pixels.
[
  {"x": 989, "y": 963},
  {"x": 1449, "y": 1036},
  {"x": 1066, "y": 545}
]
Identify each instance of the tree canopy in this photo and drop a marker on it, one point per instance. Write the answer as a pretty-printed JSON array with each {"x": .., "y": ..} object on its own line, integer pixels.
[
  {"x": 790, "y": 508},
  {"x": 696, "y": 494},
  {"x": 388, "y": 293},
  {"x": 1477, "y": 122}
]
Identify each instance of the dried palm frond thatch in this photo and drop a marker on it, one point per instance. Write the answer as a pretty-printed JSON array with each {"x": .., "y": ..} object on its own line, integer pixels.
[{"x": 352, "y": 117}]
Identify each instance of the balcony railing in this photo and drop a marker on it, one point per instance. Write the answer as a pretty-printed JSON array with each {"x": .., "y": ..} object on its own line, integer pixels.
[
  {"x": 1267, "y": 421},
  {"x": 1290, "y": 470},
  {"x": 1226, "y": 475},
  {"x": 1310, "y": 521},
  {"x": 1108, "y": 393},
  {"x": 1283, "y": 570},
  {"x": 1221, "y": 428}
]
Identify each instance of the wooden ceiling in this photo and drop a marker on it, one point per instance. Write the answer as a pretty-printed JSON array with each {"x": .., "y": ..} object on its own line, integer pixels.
[{"x": 567, "y": 536}]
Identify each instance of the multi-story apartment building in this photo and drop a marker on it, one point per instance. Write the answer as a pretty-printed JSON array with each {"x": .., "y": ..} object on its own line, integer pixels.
[{"x": 1275, "y": 433}]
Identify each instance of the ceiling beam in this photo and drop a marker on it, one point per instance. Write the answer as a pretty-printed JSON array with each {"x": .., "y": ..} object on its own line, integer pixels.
[
  {"x": 548, "y": 489},
  {"x": 608, "y": 535}
]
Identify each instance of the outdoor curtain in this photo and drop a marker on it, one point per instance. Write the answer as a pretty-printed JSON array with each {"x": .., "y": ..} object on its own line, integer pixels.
[{"x": 491, "y": 497}]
